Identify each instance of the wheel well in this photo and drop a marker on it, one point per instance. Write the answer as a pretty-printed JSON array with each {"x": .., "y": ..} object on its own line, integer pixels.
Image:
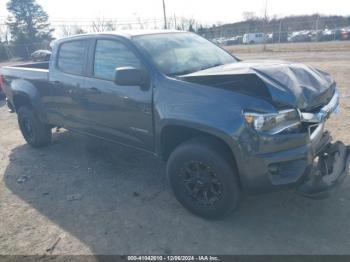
[
  {"x": 21, "y": 100},
  {"x": 173, "y": 136}
]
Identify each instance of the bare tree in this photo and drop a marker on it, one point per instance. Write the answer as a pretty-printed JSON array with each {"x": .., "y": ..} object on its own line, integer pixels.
[
  {"x": 186, "y": 24},
  {"x": 68, "y": 30},
  {"x": 141, "y": 24},
  {"x": 101, "y": 25},
  {"x": 4, "y": 33},
  {"x": 248, "y": 16}
]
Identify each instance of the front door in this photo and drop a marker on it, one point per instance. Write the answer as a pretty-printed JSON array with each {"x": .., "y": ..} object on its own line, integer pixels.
[{"x": 120, "y": 113}]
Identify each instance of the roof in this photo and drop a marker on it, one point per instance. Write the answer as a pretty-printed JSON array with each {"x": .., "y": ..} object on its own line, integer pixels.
[
  {"x": 131, "y": 33},
  {"x": 128, "y": 33}
]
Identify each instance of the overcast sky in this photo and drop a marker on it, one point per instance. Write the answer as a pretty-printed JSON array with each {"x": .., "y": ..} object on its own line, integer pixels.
[{"x": 206, "y": 11}]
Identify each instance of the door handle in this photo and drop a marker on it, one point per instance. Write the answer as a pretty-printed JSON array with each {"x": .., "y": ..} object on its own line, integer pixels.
[
  {"x": 94, "y": 90},
  {"x": 57, "y": 83}
]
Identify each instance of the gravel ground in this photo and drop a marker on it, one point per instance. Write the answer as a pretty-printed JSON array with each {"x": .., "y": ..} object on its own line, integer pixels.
[{"x": 82, "y": 196}]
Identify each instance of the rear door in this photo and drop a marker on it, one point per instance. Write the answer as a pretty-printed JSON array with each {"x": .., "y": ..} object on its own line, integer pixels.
[
  {"x": 68, "y": 75},
  {"x": 120, "y": 113}
]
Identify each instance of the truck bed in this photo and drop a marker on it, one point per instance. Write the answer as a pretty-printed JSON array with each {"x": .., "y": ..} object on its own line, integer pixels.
[{"x": 32, "y": 71}]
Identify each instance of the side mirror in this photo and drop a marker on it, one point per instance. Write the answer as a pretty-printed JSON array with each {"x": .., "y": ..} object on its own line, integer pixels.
[{"x": 130, "y": 76}]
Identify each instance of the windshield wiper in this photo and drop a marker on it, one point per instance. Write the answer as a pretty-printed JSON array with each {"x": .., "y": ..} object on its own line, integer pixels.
[
  {"x": 186, "y": 72},
  {"x": 211, "y": 66}
]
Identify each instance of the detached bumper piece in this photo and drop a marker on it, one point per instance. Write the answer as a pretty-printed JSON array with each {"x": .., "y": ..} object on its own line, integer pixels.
[
  {"x": 330, "y": 168},
  {"x": 9, "y": 105}
]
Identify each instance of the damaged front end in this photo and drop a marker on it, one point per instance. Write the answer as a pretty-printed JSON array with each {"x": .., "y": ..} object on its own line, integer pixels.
[
  {"x": 330, "y": 168},
  {"x": 288, "y": 146},
  {"x": 331, "y": 163}
]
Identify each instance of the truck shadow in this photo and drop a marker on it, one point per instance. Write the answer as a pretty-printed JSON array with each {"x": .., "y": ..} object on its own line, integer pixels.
[
  {"x": 2, "y": 102},
  {"x": 115, "y": 200}
]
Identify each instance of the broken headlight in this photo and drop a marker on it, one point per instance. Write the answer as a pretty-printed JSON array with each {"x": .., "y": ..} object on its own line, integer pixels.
[{"x": 283, "y": 121}]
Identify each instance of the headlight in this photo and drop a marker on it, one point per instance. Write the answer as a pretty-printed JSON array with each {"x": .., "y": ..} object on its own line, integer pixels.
[{"x": 286, "y": 120}]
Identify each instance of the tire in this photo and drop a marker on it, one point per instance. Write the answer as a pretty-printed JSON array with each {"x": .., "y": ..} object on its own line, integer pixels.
[
  {"x": 214, "y": 171},
  {"x": 35, "y": 132}
]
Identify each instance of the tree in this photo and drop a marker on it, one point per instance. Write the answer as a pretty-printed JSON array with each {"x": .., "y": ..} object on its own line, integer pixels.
[
  {"x": 68, "y": 30},
  {"x": 187, "y": 24},
  {"x": 102, "y": 25},
  {"x": 248, "y": 16},
  {"x": 28, "y": 24}
]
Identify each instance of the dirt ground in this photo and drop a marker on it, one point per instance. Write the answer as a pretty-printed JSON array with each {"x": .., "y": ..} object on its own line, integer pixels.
[{"x": 81, "y": 196}]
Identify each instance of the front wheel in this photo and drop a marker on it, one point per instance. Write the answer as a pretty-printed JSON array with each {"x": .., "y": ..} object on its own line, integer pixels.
[
  {"x": 203, "y": 180},
  {"x": 35, "y": 132}
]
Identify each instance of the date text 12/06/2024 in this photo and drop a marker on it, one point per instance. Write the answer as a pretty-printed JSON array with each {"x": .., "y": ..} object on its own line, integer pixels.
[{"x": 173, "y": 258}]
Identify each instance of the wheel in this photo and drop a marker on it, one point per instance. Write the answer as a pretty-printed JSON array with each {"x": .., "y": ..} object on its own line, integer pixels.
[
  {"x": 203, "y": 180},
  {"x": 35, "y": 132}
]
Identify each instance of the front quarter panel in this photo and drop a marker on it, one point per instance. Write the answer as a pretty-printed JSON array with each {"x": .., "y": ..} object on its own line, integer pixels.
[{"x": 208, "y": 109}]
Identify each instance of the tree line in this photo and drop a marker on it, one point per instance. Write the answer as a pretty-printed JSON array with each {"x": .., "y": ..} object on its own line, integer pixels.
[
  {"x": 255, "y": 24},
  {"x": 27, "y": 27}
]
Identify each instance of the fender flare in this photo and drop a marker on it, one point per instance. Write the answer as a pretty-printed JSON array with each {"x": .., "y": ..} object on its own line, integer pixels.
[{"x": 21, "y": 87}]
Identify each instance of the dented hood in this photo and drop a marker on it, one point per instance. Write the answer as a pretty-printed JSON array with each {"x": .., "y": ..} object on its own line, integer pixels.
[{"x": 282, "y": 83}]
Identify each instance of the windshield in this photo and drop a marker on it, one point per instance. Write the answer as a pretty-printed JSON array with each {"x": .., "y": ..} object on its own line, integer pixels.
[{"x": 182, "y": 53}]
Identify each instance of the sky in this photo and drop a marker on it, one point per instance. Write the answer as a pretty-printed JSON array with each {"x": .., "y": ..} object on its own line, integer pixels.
[{"x": 205, "y": 11}]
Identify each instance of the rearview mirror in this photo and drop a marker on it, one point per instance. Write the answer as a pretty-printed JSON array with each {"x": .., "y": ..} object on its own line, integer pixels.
[{"x": 130, "y": 76}]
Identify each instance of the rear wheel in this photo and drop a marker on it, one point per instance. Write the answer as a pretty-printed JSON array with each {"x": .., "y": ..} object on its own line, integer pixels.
[
  {"x": 35, "y": 132},
  {"x": 203, "y": 180}
]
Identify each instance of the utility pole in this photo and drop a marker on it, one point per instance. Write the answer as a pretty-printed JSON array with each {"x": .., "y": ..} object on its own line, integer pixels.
[
  {"x": 279, "y": 36},
  {"x": 164, "y": 13},
  {"x": 175, "y": 22},
  {"x": 316, "y": 28},
  {"x": 279, "y": 32},
  {"x": 265, "y": 25}
]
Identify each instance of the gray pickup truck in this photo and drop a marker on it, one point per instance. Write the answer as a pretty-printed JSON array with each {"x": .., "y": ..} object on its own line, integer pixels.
[{"x": 224, "y": 126}]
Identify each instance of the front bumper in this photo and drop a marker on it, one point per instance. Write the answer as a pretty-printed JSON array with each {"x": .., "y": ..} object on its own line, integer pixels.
[
  {"x": 329, "y": 170},
  {"x": 313, "y": 168},
  {"x": 307, "y": 161},
  {"x": 10, "y": 106}
]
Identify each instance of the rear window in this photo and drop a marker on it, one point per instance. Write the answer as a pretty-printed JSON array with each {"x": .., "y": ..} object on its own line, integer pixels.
[{"x": 71, "y": 57}]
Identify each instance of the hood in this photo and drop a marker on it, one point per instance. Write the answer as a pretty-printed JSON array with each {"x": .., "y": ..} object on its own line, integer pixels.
[{"x": 282, "y": 83}]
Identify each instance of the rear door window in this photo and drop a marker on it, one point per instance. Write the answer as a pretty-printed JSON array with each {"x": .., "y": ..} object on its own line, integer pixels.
[{"x": 71, "y": 57}]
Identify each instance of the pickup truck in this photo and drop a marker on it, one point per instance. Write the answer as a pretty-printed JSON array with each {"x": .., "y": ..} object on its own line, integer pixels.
[{"x": 225, "y": 127}]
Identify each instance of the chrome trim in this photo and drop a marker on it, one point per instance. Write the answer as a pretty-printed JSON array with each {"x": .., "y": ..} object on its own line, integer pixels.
[
  {"x": 268, "y": 114},
  {"x": 318, "y": 131},
  {"x": 283, "y": 128},
  {"x": 324, "y": 113}
]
